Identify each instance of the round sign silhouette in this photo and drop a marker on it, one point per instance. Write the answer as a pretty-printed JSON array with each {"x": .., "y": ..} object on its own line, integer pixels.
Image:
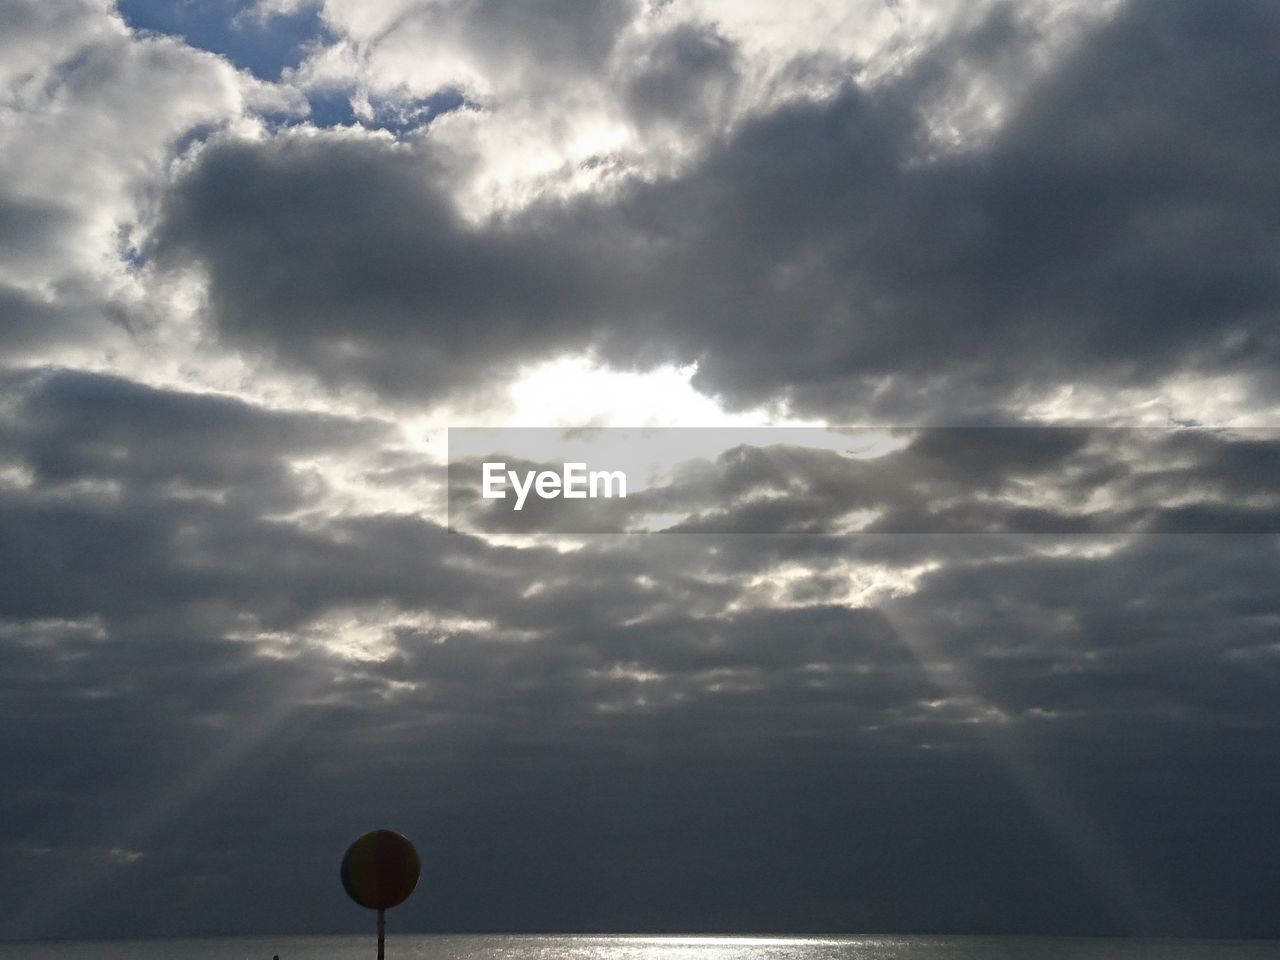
[{"x": 380, "y": 870}]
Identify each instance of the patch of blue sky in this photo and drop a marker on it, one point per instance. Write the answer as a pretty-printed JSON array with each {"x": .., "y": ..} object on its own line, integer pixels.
[
  {"x": 263, "y": 46},
  {"x": 333, "y": 107},
  {"x": 400, "y": 116}
]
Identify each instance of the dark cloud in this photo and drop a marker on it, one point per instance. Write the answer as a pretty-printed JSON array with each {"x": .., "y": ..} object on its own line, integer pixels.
[
  {"x": 28, "y": 321},
  {"x": 29, "y": 229},
  {"x": 638, "y": 752},
  {"x": 453, "y": 299},
  {"x": 1115, "y": 230},
  {"x": 215, "y": 671},
  {"x": 633, "y": 705},
  {"x": 69, "y": 426},
  {"x": 573, "y": 35},
  {"x": 688, "y": 77}
]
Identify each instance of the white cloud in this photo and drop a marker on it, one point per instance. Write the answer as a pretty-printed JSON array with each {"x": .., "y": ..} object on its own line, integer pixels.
[{"x": 92, "y": 115}]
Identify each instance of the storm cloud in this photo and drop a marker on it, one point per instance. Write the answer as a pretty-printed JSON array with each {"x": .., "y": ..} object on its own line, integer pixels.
[
  {"x": 1114, "y": 231},
  {"x": 1016, "y": 673}
]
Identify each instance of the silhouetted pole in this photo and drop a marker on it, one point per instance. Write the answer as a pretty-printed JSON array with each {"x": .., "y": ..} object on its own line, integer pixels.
[{"x": 379, "y": 871}]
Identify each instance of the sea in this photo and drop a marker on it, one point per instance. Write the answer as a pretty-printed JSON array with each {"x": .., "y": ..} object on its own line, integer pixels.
[{"x": 488, "y": 947}]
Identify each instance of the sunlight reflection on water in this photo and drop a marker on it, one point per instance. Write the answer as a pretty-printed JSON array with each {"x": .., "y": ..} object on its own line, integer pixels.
[
  {"x": 480, "y": 947},
  {"x": 836, "y": 948}
]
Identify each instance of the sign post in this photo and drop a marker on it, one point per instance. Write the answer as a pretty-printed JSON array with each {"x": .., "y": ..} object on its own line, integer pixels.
[{"x": 379, "y": 871}]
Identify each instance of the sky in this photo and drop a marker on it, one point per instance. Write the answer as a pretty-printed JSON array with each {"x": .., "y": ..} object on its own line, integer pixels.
[{"x": 1013, "y": 667}]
